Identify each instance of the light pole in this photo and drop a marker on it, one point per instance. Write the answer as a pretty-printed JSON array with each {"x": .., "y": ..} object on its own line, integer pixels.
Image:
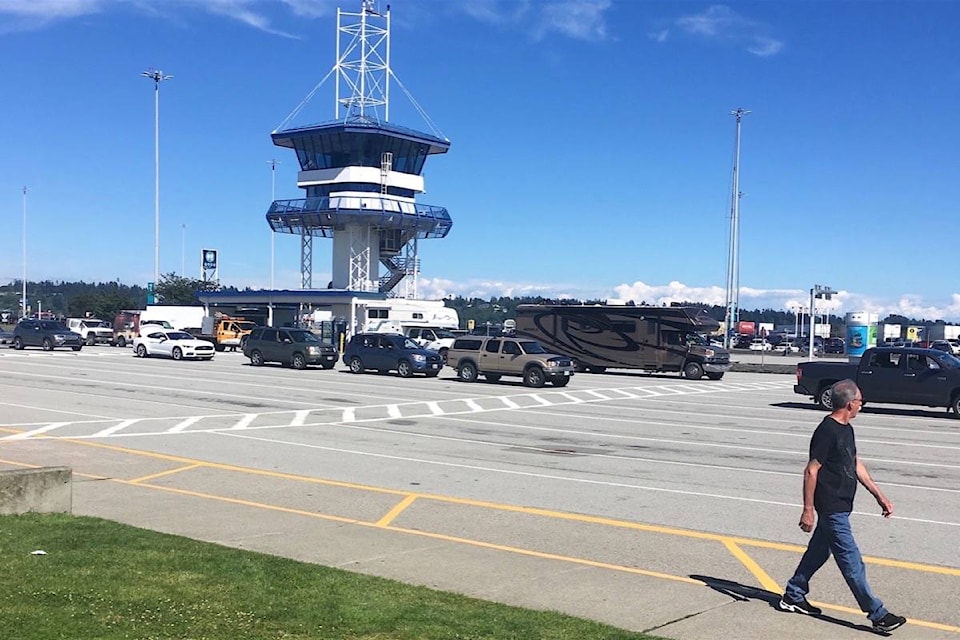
[
  {"x": 818, "y": 291},
  {"x": 157, "y": 76},
  {"x": 733, "y": 257},
  {"x": 23, "y": 299},
  {"x": 273, "y": 196}
]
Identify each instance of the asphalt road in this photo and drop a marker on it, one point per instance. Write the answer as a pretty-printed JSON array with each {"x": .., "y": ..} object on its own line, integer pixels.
[{"x": 638, "y": 489}]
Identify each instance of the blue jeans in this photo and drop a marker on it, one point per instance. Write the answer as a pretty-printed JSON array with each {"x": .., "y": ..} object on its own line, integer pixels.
[{"x": 833, "y": 534}]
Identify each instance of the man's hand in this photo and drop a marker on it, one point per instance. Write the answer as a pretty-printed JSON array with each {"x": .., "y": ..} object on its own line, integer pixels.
[
  {"x": 808, "y": 518},
  {"x": 885, "y": 505}
]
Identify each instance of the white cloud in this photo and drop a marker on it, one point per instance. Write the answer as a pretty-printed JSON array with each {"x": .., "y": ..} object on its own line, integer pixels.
[
  {"x": 911, "y": 306},
  {"x": 577, "y": 19},
  {"x": 660, "y": 36},
  {"x": 721, "y": 24}
]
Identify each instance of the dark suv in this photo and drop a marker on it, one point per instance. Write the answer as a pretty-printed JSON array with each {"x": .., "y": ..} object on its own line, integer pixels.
[
  {"x": 295, "y": 347},
  {"x": 47, "y": 334},
  {"x": 390, "y": 352}
]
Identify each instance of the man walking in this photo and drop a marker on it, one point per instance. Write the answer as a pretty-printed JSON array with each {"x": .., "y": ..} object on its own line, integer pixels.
[{"x": 829, "y": 484}]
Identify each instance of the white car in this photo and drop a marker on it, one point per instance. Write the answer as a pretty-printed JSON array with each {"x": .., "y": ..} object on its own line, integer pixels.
[
  {"x": 759, "y": 344},
  {"x": 172, "y": 344}
]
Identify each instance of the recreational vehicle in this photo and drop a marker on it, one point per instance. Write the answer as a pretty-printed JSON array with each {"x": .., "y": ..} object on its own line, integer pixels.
[
  {"x": 397, "y": 314},
  {"x": 624, "y": 337}
]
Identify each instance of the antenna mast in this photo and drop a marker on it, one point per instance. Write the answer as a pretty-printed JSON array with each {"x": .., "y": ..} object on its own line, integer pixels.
[{"x": 363, "y": 64}]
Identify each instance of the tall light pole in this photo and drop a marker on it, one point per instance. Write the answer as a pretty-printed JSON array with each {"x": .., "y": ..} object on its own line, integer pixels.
[
  {"x": 157, "y": 76},
  {"x": 818, "y": 291},
  {"x": 273, "y": 196},
  {"x": 23, "y": 299},
  {"x": 733, "y": 257}
]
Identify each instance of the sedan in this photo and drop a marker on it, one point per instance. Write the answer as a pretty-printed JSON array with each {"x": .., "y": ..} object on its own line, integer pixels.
[
  {"x": 759, "y": 344},
  {"x": 172, "y": 344}
]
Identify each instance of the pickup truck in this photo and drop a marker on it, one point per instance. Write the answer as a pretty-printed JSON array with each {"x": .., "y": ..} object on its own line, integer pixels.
[{"x": 894, "y": 375}]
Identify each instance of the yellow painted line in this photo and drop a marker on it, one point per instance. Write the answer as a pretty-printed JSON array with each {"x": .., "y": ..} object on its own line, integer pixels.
[
  {"x": 557, "y": 515},
  {"x": 11, "y": 430},
  {"x": 396, "y": 511},
  {"x": 766, "y": 581},
  {"x": 548, "y": 556},
  {"x": 20, "y": 464},
  {"x": 154, "y": 476}
]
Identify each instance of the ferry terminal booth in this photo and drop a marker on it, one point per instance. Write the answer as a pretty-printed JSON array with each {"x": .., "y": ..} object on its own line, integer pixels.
[{"x": 286, "y": 308}]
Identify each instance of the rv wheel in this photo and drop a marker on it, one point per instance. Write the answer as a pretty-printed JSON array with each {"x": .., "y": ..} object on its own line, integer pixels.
[{"x": 692, "y": 371}]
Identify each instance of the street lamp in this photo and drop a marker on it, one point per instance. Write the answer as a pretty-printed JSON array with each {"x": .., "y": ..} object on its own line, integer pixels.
[
  {"x": 157, "y": 76},
  {"x": 23, "y": 299},
  {"x": 733, "y": 256}
]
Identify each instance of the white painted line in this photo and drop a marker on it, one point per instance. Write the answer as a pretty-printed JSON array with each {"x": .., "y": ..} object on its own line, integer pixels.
[
  {"x": 435, "y": 408},
  {"x": 543, "y": 402},
  {"x": 349, "y": 415},
  {"x": 109, "y": 431},
  {"x": 647, "y": 390},
  {"x": 245, "y": 421},
  {"x": 572, "y": 398},
  {"x": 597, "y": 394},
  {"x": 394, "y": 411},
  {"x": 299, "y": 418},
  {"x": 35, "y": 432},
  {"x": 624, "y": 392},
  {"x": 184, "y": 424},
  {"x": 473, "y": 406},
  {"x": 510, "y": 403}
]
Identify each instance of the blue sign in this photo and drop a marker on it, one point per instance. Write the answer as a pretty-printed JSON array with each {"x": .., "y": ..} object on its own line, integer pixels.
[
  {"x": 151, "y": 298},
  {"x": 209, "y": 257}
]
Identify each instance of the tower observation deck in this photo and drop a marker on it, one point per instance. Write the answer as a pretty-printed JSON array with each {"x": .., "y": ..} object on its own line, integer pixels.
[{"x": 360, "y": 173}]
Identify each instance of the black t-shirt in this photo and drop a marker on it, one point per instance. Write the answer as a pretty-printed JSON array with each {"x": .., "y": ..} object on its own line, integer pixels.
[{"x": 834, "y": 446}]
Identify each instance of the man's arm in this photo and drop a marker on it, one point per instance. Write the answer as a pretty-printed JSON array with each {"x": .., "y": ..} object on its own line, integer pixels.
[
  {"x": 864, "y": 477},
  {"x": 810, "y": 472}
]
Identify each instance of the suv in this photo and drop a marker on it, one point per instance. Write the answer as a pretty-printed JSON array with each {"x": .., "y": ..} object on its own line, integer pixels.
[
  {"x": 295, "y": 347},
  {"x": 389, "y": 352},
  {"x": 495, "y": 357},
  {"x": 48, "y": 334}
]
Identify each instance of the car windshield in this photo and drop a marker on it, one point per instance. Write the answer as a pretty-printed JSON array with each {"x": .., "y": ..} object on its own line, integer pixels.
[
  {"x": 304, "y": 336},
  {"x": 247, "y": 326},
  {"x": 441, "y": 333},
  {"x": 696, "y": 338},
  {"x": 949, "y": 361},
  {"x": 532, "y": 346},
  {"x": 179, "y": 335}
]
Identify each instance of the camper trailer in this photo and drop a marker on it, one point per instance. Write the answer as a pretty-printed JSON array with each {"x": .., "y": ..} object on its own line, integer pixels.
[
  {"x": 656, "y": 339},
  {"x": 395, "y": 315}
]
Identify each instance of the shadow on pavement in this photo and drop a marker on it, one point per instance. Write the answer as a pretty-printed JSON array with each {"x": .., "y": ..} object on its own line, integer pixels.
[{"x": 745, "y": 593}]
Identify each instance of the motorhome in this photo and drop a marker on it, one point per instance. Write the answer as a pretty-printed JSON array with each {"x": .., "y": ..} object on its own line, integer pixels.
[
  {"x": 395, "y": 315},
  {"x": 618, "y": 336}
]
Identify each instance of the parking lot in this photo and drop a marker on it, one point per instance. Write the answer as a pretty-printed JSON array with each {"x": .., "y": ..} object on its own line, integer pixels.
[{"x": 617, "y": 497}]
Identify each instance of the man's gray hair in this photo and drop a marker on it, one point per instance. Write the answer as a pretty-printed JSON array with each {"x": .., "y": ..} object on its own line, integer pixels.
[{"x": 842, "y": 393}]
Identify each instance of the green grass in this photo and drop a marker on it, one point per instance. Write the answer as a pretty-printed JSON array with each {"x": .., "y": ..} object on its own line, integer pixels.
[{"x": 104, "y": 580}]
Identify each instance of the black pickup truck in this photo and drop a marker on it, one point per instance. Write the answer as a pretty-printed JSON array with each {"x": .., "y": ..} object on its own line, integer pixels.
[{"x": 897, "y": 375}]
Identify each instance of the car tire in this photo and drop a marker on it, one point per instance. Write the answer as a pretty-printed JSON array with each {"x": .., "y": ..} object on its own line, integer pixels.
[
  {"x": 47, "y": 344},
  {"x": 692, "y": 371},
  {"x": 443, "y": 355},
  {"x": 18, "y": 343},
  {"x": 298, "y": 361},
  {"x": 955, "y": 405},
  {"x": 177, "y": 353},
  {"x": 534, "y": 377},
  {"x": 91, "y": 340},
  {"x": 142, "y": 351},
  {"x": 825, "y": 397},
  {"x": 256, "y": 358},
  {"x": 467, "y": 372},
  {"x": 356, "y": 365},
  {"x": 492, "y": 377},
  {"x": 715, "y": 376},
  {"x": 596, "y": 369},
  {"x": 121, "y": 341},
  {"x": 404, "y": 370},
  {"x": 561, "y": 381}
]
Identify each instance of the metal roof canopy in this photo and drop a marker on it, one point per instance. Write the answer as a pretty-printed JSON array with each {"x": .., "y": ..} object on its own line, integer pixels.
[{"x": 322, "y": 297}]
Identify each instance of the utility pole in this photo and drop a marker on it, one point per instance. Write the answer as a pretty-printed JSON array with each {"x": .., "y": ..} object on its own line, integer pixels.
[{"x": 23, "y": 299}]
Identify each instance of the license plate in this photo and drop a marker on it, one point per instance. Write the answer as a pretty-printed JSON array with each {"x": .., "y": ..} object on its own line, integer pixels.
[
  {"x": 434, "y": 366},
  {"x": 566, "y": 373}
]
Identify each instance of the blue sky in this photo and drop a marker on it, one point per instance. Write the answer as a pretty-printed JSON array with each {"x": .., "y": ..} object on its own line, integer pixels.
[{"x": 591, "y": 154}]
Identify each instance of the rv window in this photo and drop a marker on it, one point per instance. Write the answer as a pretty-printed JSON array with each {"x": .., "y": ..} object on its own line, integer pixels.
[
  {"x": 493, "y": 346},
  {"x": 417, "y": 316},
  {"x": 579, "y": 324},
  {"x": 378, "y": 313}
]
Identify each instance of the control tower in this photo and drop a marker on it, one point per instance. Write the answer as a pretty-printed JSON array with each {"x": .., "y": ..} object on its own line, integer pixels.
[{"x": 360, "y": 173}]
